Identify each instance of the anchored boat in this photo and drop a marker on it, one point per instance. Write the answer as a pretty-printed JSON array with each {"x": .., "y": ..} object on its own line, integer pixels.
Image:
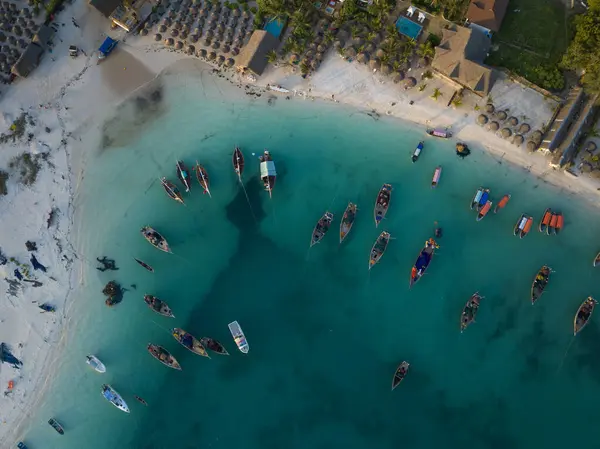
[
  {"x": 559, "y": 223},
  {"x": 159, "y": 306},
  {"x": 56, "y": 426},
  {"x": 596, "y": 260},
  {"x": 321, "y": 228},
  {"x": 417, "y": 152},
  {"x": 163, "y": 356},
  {"x": 184, "y": 175},
  {"x": 144, "y": 264},
  {"x": 523, "y": 226},
  {"x": 484, "y": 210},
  {"x": 213, "y": 345},
  {"x": 188, "y": 341},
  {"x": 436, "y": 177},
  {"x": 543, "y": 226},
  {"x": 154, "y": 237},
  {"x": 347, "y": 221},
  {"x": 382, "y": 203},
  {"x": 442, "y": 133},
  {"x": 172, "y": 190},
  {"x": 111, "y": 395},
  {"x": 400, "y": 373},
  {"x": 268, "y": 174},
  {"x": 95, "y": 363},
  {"x": 503, "y": 202},
  {"x": 539, "y": 283},
  {"x": 551, "y": 229},
  {"x": 583, "y": 315},
  {"x": 476, "y": 198},
  {"x": 379, "y": 248},
  {"x": 238, "y": 162},
  {"x": 239, "y": 337},
  {"x": 202, "y": 177},
  {"x": 469, "y": 312},
  {"x": 423, "y": 261},
  {"x": 485, "y": 195}
]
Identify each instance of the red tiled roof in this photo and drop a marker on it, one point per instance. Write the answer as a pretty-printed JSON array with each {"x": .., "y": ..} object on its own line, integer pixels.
[{"x": 487, "y": 13}]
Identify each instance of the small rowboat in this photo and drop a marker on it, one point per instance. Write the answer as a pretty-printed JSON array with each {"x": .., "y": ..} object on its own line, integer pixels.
[
  {"x": 559, "y": 223},
  {"x": 184, "y": 175},
  {"x": 188, "y": 341},
  {"x": 484, "y": 210},
  {"x": 238, "y": 162},
  {"x": 172, "y": 190},
  {"x": 159, "y": 306},
  {"x": 543, "y": 226},
  {"x": 469, "y": 312},
  {"x": 442, "y": 133},
  {"x": 476, "y": 198},
  {"x": 56, "y": 426},
  {"x": 483, "y": 200},
  {"x": 140, "y": 400},
  {"x": 423, "y": 261},
  {"x": 21, "y": 445},
  {"x": 163, "y": 356},
  {"x": 596, "y": 260},
  {"x": 436, "y": 177},
  {"x": 268, "y": 173},
  {"x": 551, "y": 229},
  {"x": 321, "y": 228},
  {"x": 111, "y": 395},
  {"x": 583, "y": 315},
  {"x": 347, "y": 220},
  {"x": 526, "y": 228},
  {"x": 379, "y": 248},
  {"x": 539, "y": 283},
  {"x": 213, "y": 345},
  {"x": 238, "y": 336},
  {"x": 400, "y": 373},
  {"x": 155, "y": 239},
  {"x": 503, "y": 202},
  {"x": 520, "y": 224},
  {"x": 382, "y": 203},
  {"x": 95, "y": 363},
  {"x": 417, "y": 152},
  {"x": 202, "y": 177},
  {"x": 145, "y": 265}
]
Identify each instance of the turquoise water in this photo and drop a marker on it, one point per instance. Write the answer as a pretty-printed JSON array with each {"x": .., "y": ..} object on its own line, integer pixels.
[{"x": 325, "y": 334}]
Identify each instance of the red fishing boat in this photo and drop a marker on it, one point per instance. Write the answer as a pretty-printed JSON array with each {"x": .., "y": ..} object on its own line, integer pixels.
[
  {"x": 559, "y": 223},
  {"x": 503, "y": 202},
  {"x": 551, "y": 229},
  {"x": 545, "y": 220},
  {"x": 484, "y": 210}
]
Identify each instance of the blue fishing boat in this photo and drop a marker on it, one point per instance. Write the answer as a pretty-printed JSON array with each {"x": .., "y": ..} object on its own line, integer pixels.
[
  {"x": 485, "y": 196},
  {"x": 417, "y": 152},
  {"x": 111, "y": 395},
  {"x": 423, "y": 261}
]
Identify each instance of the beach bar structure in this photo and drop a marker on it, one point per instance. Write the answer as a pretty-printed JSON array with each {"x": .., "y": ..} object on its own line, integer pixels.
[
  {"x": 560, "y": 125},
  {"x": 253, "y": 57},
  {"x": 106, "y": 7},
  {"x": 32, "y": 55}
]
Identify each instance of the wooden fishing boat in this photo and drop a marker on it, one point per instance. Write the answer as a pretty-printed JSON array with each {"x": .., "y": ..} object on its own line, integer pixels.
[
  {"x": 321, "y": 228},
  {"x": 163, "y": 356},
  {"x": 469, "y": 312},
  {"x": 436, "y": 177},
  {"x": 112, "y": 396},
  {"x": 400, "y": 373},
  {"x": 596, "y": 260},
  {"x": 188, "y": 341},
  {"x": 238, "y": 336},
  {"x": 423, "y": 260},
  {"x": 213, "y": 345},
  {"x": 503, "y": 202},
  {"x": 347, "y": 221},
  {"x": 140, "y": 400},
  {"x": 559, "y": 223},
  {"x": 154, "y": 237},
  {"x": 526, "y": 228},
  {"x": 172, "y": 190},
  {"x": 520, "y": 224},
  {"x": 484, "y": 210},
  {"x": 539, "y": 283},
  {"x": 476, "y": 198},
  {"x": 202, "y": 177},
  {"x": 144, "y": 264},
  {"x": 441, "y": 133},
  {"x": 238, "y": 162},
  {"x": 184, "y": 175},
  {"x": 382, "y": 203},
  {"x": 159, "y": 306},
  {"x": 268, "y": 173},
  {"x": 56, "y": 426},
  {"x": 379, "y": 248},
  {"x": 545, "y": 220},
  {"x": 551, "y": 229},
  {"x": 485, "y": 196},
  {"x": 417, "y": 152},
  {"x": 583, "y": 315}
]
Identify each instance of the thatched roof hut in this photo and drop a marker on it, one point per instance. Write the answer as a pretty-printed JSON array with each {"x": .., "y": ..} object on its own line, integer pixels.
[
  {"x": 531, "y": 146},
  {"x": 410, "y": 82},
  {"x": 482, "y": 119},
  {"x": 212, "y": 55},
  {"x": 363, "y": 57},
  {"x": 162, "y": 28},
  {"x": 524, "y": 128},
  {"x": 169, "y": 42},
  {"x": 489, "y": 108},
  {"x": 536, "y": 136},
  {"x": 201, "y": 53},
  {"x": 518, "y": 139},
  {"x": 513, "y": 121},
  {"x": 375, "y": 63},
  {"x": 230, "y": 62},
  {"x": 398, "y": 77},
  {"x": 254, "y": 55},
  {"x": 221, "y": 59},
  {"x": 494, "y": 126},
  {"x": 501, "y": 115},
  {"x": 178, "y": 45},
  {"x": 506, "y": 133},
  {"x": 191, "y": 50},
  {"x": 591, "y": 147}
]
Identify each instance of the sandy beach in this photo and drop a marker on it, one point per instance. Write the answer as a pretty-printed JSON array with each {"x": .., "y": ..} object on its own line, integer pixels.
[{"x": 65, "y": 99}]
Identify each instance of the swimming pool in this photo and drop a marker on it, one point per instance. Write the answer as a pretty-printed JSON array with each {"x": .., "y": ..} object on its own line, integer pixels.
[
  {"x": 408, "y": 27},
  {"x": 275, "y": 26}
]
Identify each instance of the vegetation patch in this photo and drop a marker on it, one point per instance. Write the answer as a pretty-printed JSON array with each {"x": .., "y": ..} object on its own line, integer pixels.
[
  {"x": 27, "y": 167},
  {"x": 3, "y": 179},
  {"x": 532, "y": 41},
  {"x": 16, "y": 130}
]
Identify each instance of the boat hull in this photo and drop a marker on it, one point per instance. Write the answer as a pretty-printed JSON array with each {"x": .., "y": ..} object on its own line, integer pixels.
[
  {"x": 347, "y": 221},
  {"x": 213, "y": 345},
  {"x": 321, "y": 228},
  {"x": 436, "y": 177},
  {"x": 202, "y": 177},
  {"x": 476, "y": 198},
  {"x": 596, "y": 260},
  {"x": 95, "y": 363},
  {"x": 163, "y": 356},
  {"x": 112, "y": 396},
  {"x": 422, "y": 263},
  {"x": 382, "y": 203},
  {"x": 503, "y": 202},
  {"x": 579, "y": 322},
  {"x": 400, "y": 374},
  {"x": 378, "y": 249},
  {"x": 158, "y": 305},
  {"x": 237, "y": 160},
  {"x": 484, "y": 211},
  {"x": 193, "y": 344},
  {"x": 539, "y": 283},
  {"x": 469, "y": 312},
  {"x": 155, "y": 238},
  {"x": 238, "y": 336},
  {"x": 184, "y": 175}
]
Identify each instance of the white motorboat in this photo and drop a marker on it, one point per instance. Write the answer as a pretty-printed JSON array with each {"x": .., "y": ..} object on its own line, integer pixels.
[
  {"x": 95, "y": 363},
  {"x": 111, "y": 395},
  {"x": 239, "y": 337},
  {"x": 278, "y": 88}
]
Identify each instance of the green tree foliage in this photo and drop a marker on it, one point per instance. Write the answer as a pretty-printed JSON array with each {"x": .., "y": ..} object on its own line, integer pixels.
[
  {"x": 583, "y": 52},
  {"x": 272, "y": 56},
  {"x": 426, "y": 50}
]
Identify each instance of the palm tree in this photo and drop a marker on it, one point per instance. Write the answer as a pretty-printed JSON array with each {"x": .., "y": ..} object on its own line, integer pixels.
[
  {"x": 457, "y": 101},
  {"x": 328, "y": 37},
  {"x": 426, "y": 50},
  {"x": 272, "y": 57},
  {"x": 304, "y": 68},
  {"x": 372, "y": 36},
  {"x": 391, "y": 29},
  {"x": 436, "y": 94},
  {"x": 355, "y": 31},
  {"x": 422, "y": 87}
]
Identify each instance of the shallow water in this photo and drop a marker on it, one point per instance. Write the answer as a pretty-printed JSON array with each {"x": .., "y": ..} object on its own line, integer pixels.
[{"x": 325, "y": 333}]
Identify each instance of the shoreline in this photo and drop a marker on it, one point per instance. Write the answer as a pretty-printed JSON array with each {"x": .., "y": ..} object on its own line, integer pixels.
[{"x": 79, "y": 86}]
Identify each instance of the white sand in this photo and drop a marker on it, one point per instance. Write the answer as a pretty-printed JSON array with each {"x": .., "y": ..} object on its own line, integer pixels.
[{"x": 70, "y": 96}]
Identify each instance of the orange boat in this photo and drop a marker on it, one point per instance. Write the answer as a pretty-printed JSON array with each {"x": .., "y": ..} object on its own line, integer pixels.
[
  {"x": 559, "y": 223},
  {"x": 503, "y": 202},
  {"x": 551, "y": 229},
  {"x": 483, "y": 212},
  {"x": 545, "y": 220},
  {"x": 527, "y": 227}
]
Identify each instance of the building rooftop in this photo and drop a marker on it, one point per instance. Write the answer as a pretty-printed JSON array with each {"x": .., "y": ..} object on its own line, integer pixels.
[
  {"x": 253, "y": 56},
  {"x": 106, "y": 7},
  {"x": 562, "y": 119},
  {"x": 487, "y": 13}
]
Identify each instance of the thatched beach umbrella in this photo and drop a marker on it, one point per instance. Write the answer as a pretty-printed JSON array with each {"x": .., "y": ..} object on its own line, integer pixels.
[
  {"x": 209, "y": 34},
  {"x": 590, "y": 147},
  {"x": 350, "y": 52},
  {"x": 398, "y": 77},
  {"x": 178, "y": 45},
  {"x": 220, "y": 59},
  {"x": 531, "y": 146},
  {"x": 201, "y": 53},
  {"x": 319, "y": 57},
  {"x": 194, "y": 38},
  {"x": 524, "y": 128},
  {"x": 501, "y": 115},
  {"x": 4, "y": 67},
  {"x": 489, "y": 108},
  {"x": 235, "y": 51},
  {"x": 174, "y": 32},
  {"x": 506, "y": 133},
  {"x": 321, "y": 48},
  {"x": 212, "y": 55},
  {"x": 518, "y": 139},
  {"x": 169, "y": 42},
  {"x": 144, "y": 32},
  {"x": 191, "y": 50},
  {"x": 482, "y": 119},
  {"x": 17, "y": 30},
  {"x": 494, "y": 126},
  {"x": 380, "y": 53},
  {"x": 513, "y": 121},
  {"x": 386, "y": 69},
  {"x": 162, "y": 28},
  {"x": 21, "y": 21},
  {"x": 358, "y": 42},
  {"x": 370, "y": 48},
  {"x": 230, "y": 62},
  {"x": 225, "y": 48},
  {"x": 207, "y": 41},
  {"x": 215, "y": 45},
  {"x": 339, "y": 43},
  {"x": 362, "y": 57},
  {"x": 237, "y": 13},
  {"x": 314, "y": 64},
  {"x": 374, "y": 63},
  {"x": 410, "y": 82},
  {"x": 536, "y": 136}
]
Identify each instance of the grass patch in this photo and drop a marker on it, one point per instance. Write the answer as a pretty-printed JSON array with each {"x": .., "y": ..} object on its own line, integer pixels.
[
  {"x": 27, "y": 167},
  {"x": 3, "y": 179},
  {"x": 531, "y": 42}
]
